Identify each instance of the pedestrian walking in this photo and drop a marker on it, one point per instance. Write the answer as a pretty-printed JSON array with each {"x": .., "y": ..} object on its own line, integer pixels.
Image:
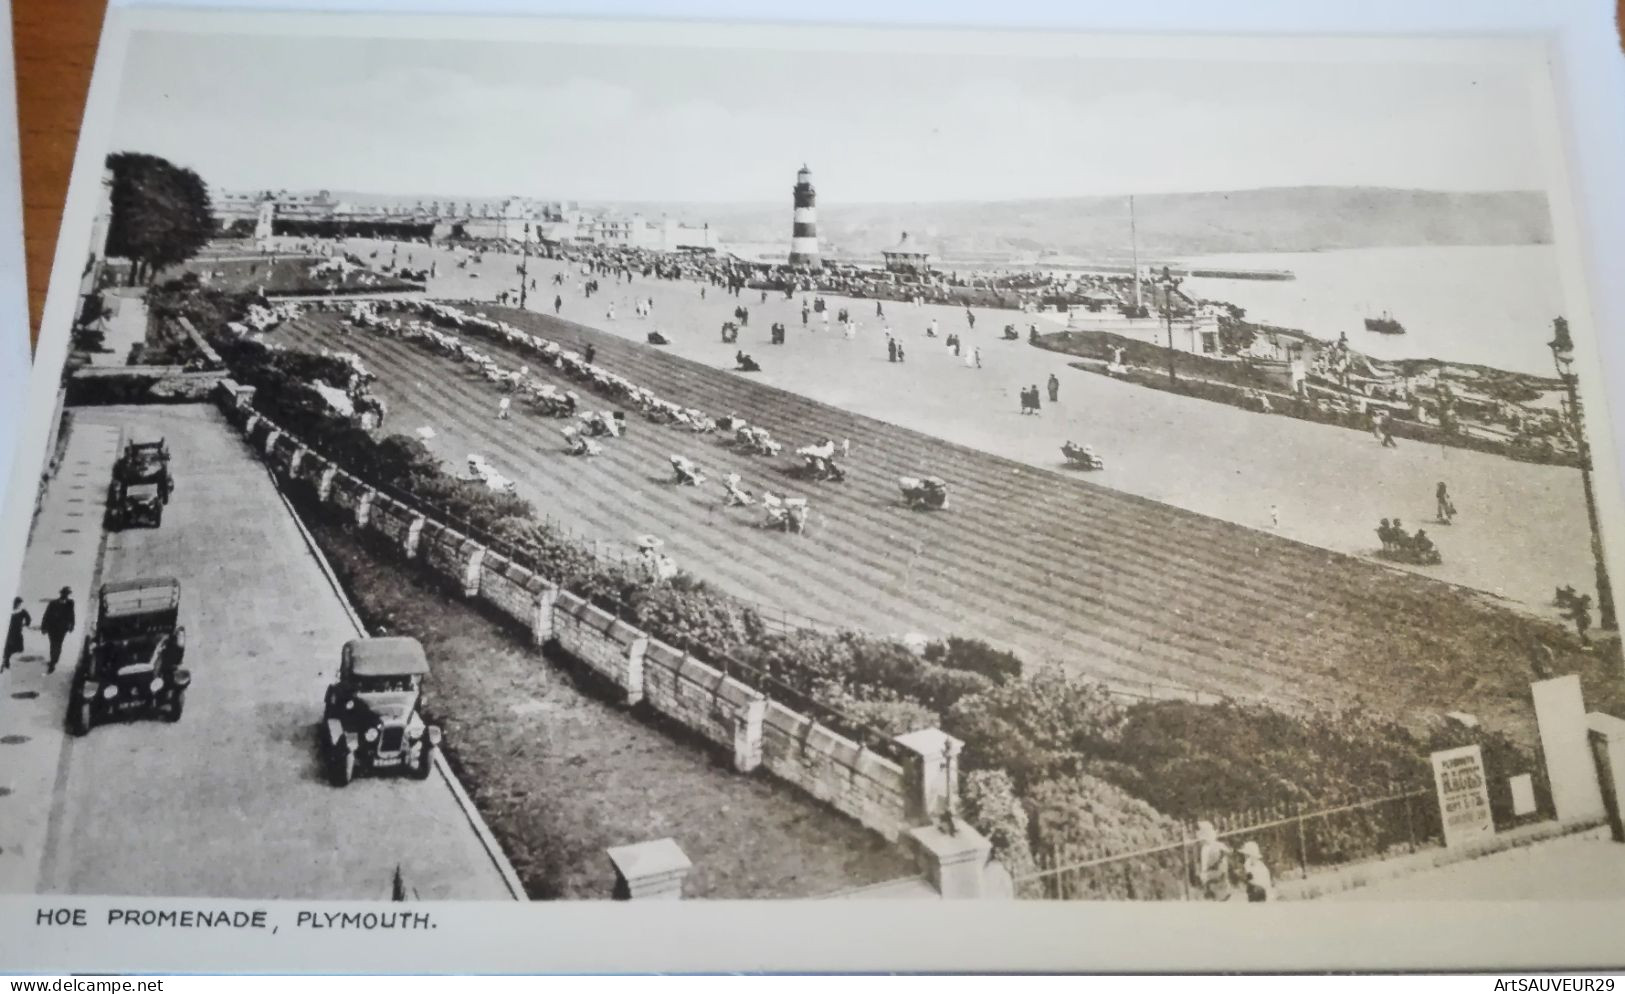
[
  {"x": 900, "y": 356},
  {"x": 20, "y": 619},
  {"x": 931, "y": 329},
  {"x": 59, "y": 619},
  {"x": 978, "y": 354},
  {"x": 1447, "y": 510},
  {"x": 891, "y": 349},
  {"x": 1388, "y": 435},
  {"x": 558, "y": 303},
  {"x": 970, "y": 318},
  {"x": 1026, "y": 401},
  {"x": 880, "y": 311},
  {"x": 1054, "y": 389},
  {"x": 1037, "y": 404},
  {"x": 1275, "y": 515},
  {"x": 503, "y": 407},
  {"x": 846, "y": 447}
]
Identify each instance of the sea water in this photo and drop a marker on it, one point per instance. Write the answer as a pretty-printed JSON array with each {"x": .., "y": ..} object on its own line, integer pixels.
[{"x": 1491, "y": 305}]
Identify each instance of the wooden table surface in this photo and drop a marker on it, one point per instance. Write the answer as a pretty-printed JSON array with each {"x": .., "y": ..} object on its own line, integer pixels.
[{"x": 55, "y": 43}]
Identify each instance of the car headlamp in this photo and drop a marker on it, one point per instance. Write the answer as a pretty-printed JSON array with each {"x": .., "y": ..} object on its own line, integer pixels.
[
  {"x": 372, "y": 735},
  {"x": 434, "y": 735},
  {"x": 88, "y": 690},
  {"x": 110, "y": 691},
  {"x": 156, "y": 685}
]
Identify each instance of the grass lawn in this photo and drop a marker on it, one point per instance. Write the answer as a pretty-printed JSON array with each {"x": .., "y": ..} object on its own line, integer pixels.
[{"x": 560, "y": 773}]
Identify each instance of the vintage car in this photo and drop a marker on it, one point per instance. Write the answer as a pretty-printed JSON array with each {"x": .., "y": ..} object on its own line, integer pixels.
[
  {"x": 370, "y": 718},
  {"x": 135, "y": 504},
  {"x": 141, "y": 483},
  {"x": 131, "y": 663}
]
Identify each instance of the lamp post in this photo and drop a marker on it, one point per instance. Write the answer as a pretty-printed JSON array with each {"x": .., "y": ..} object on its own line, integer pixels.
[
  {"x": 524, "y": 266},
  {"x": 1562, "y": 347},
  {"x": 1169, "y": 285}
]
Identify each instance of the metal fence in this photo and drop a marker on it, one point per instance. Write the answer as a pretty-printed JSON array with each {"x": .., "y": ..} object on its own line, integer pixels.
[{"x": 1295, "y": 842}]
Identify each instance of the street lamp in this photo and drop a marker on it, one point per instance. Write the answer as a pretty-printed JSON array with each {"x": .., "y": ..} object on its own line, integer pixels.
[
  {"x": 1562, "y": 346},
  {"x": 524, "y": 266},
  {"x": 1169, "y": 285}
]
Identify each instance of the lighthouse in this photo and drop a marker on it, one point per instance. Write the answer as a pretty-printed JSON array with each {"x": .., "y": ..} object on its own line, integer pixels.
[{"x": 804, "y": 234}]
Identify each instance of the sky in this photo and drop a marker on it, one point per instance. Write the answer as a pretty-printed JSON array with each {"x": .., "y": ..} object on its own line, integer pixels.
[{"x": 597, "y": 123}]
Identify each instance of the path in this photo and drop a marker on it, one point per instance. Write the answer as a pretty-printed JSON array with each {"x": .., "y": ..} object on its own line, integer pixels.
[
  {"x": 66, "y": 545},
  {"x": 1586, "y": 866}
]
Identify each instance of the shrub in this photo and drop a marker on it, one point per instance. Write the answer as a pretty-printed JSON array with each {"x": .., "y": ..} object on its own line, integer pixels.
[
  {"x": 1036, "y": 728},
  {"x": 1193, "y": 760},
  {"x": 889, "y": 717},
  {"x": 975, "y": 656},
  {"x": 1079, "y": 817},
  {"x": 993, "y": 808}
]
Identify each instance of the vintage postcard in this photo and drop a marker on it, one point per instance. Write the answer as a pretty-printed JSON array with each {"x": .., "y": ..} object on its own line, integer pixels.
[{"x": 492, "y": 462}]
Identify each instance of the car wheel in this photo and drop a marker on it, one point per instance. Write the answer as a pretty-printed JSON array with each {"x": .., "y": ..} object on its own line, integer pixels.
[
  {"x": 79, "y": 719},
  {"x": 425, "y": 762},
  {"x": 177, "y": 704},
  {"x": 342, "y": 767}
]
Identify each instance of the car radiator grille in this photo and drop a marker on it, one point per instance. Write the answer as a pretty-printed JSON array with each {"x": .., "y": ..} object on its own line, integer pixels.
[{"x": 392, "y": 739}]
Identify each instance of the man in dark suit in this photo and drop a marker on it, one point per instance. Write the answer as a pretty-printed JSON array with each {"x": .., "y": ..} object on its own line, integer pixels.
[{"x": 58, "y": 621}]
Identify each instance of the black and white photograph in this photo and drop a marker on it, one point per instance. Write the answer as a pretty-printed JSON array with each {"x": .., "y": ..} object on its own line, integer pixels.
[{"x": 767, "y": 465}]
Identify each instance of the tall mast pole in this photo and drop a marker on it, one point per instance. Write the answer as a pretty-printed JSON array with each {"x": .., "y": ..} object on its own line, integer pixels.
[{"x": 1134, "y": 247}]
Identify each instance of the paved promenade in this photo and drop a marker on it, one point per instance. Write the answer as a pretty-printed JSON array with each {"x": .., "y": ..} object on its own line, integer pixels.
[
  {"x": 1521, "y": 532},
  {"x": 1586, "y": 866}
]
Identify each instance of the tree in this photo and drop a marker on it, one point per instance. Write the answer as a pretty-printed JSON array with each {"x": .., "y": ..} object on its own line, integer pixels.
[{"x": 161, "y": 214}]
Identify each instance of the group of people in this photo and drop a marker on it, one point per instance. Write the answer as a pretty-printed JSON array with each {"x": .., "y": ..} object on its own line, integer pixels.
[
  {"x": 1220, "y": 876},
  {"x": 1032, "y": 402},
  {"x": 1399, "y": 543}
]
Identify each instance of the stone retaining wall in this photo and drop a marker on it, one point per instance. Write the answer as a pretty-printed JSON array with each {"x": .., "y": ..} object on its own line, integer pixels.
[
  {"x": 519, "y": 594},
  {"x": 868, "y": 787},
  {"x": 701, "y": 698},
  {"x": 607, "y": 645}
]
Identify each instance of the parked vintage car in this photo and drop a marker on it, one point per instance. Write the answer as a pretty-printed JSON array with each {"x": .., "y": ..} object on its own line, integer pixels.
[
  {"x": 371, "y": 721},
  {"x": 130, "y": 667},
  {"x": 141, "y": 483}
]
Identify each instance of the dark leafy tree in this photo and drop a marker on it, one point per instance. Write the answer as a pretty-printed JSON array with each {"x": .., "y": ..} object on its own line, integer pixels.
[{"x": 161, "y": 214}]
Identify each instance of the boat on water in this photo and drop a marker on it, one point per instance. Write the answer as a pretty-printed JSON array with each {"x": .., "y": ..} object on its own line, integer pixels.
[{"x": 1385, "y": 325}]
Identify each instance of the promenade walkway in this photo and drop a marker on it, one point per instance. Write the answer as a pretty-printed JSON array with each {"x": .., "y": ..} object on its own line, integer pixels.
[{"x": 65, "y": 552}]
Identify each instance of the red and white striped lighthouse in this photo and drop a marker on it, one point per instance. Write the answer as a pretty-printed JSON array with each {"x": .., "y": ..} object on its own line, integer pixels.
[{"x": 804, "y": 234}]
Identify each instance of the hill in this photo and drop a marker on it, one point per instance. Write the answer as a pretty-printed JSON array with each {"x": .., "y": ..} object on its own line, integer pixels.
[{"x": 1278, "y": 219}]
